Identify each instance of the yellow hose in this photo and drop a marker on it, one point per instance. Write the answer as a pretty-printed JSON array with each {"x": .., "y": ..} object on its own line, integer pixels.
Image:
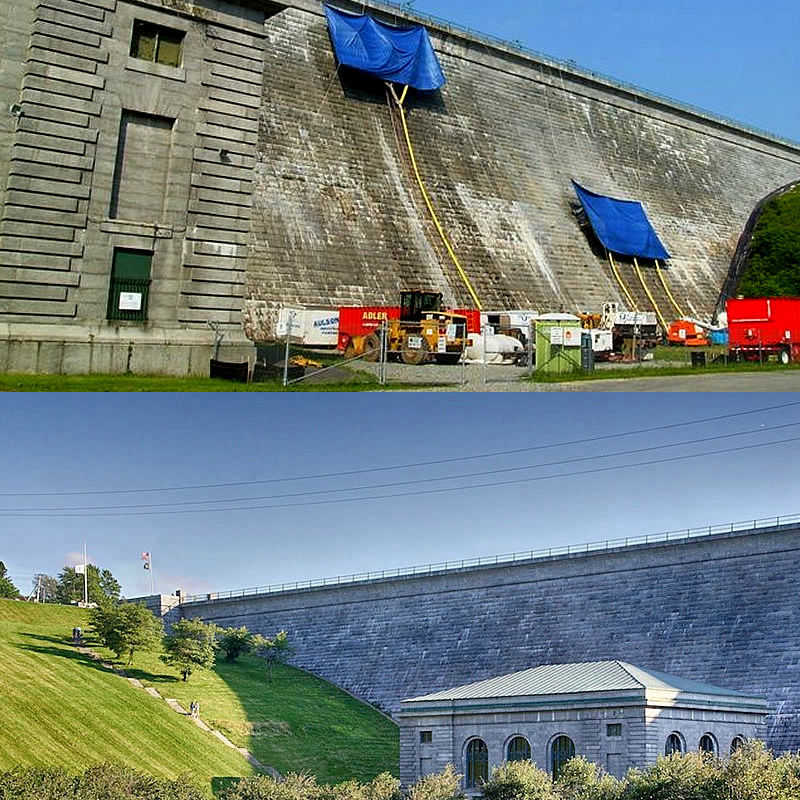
[
  {"x": 666, "y": 289},
  {"x": 650, "y": 296},
  {"x": 621, "y": 282},
  {"x": 428, "y": 203}
]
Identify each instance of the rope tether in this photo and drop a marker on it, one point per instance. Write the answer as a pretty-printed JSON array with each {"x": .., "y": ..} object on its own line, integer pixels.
[
  {"x": 621, "y": 283},
  {"x": 650, "y": 295},
  {"x": 666, "y": 289},
  {"x": 427, "y": 199}
]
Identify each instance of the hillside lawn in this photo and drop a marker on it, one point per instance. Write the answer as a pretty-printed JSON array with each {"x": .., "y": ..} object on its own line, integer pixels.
[
  {"x": 59, "y": 708},
  {"x": 294, "y": 722},
  {"x": 62, "y": 709}
]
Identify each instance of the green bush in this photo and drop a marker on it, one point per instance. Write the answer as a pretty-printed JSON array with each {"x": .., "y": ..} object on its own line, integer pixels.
[
  {"x": 445, "y": 785},
  {"x": 580, "y": 779},
  {"x": 33, "y": 783},
  {"x": 103, "y": 782},
  {"x": 518, "y": 780},
  {"x": 694, "y": 776},
  {"x": 264, "y": 787}
]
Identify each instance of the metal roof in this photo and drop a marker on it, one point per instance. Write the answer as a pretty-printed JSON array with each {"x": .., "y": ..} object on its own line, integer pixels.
[{"x": 587, "y": 676}]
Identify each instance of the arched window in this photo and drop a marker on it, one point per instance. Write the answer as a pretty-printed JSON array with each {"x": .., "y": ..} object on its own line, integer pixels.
[
  {"x": 736, "y": 743},
  {"x": 477, "y": 763},
  {"x": 561, "y": 751},
  {"x": 707, "y": 744},
  {"x": 518, "y": 749},
  {"x": 674, "y": 745}
]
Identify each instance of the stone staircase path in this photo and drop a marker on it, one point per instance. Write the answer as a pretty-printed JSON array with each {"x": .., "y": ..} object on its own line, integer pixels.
[{"x": 179, "y": 709}]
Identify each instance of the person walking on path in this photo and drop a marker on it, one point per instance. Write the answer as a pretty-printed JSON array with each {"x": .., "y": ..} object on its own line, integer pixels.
[{"x": 194, "y": 709}]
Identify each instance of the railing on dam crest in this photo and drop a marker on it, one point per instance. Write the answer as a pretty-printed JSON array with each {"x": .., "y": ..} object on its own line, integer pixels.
[{"x": 676, "y": 536}]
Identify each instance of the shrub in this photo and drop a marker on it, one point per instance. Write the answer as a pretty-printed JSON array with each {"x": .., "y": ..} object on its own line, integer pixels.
[
  {"x": 580, "y": 779},
  {"x": 263, "y": 787},
  {"x": 694, "y": 776},
  {"x": 33, "y": 783},
  {"x": 753, "y": 774},
  {"x": 102, "y": 782},
  {"x": 444, "y": 785},
  {"x": 518, "y": 780}
]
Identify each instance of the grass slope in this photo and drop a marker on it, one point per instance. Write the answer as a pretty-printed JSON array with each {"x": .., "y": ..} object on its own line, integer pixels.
[
  {"x": 295, "y": 722},
  {"x": 59, "y": 708}
]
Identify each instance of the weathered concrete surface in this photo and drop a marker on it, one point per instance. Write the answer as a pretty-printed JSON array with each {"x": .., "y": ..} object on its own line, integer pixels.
[
  {"x": 718, "y": 609},
  {"x": 74, "y": 189},
  {"x": 284, "y": 179},
  {"x": 338, "y": 217}
]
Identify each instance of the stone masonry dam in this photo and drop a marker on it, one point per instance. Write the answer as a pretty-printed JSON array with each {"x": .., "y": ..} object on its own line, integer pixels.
[
  {"x": 338, "y": 217},
  {"x": 720, "y": 608},
  {"x": 252, "y": 173}
]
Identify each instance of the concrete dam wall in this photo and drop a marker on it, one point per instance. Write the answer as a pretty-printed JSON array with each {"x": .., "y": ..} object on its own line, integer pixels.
[
  {"x": 338, "y": 217},
  {"x": 720, "y": 609},
  {"x": 146, "y": 195}
]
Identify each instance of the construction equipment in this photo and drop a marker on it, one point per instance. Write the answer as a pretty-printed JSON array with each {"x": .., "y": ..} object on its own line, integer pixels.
[
  {"x": 687, "y": 332},
  {"x": 419, "y": 331},
  {"x": 632, "y": 331}
]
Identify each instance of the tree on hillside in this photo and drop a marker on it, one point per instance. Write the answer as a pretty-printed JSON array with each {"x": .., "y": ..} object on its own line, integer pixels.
[
  {"x": 191, "y": 645},
  {"x": 234, "y": 642},
  {"x": 126, "y": 628},
  {"x": 102, "y": 585},
  {"x": 45, "y": 588},
  {"x": 773, "y": 263},
  {"x": 7, "y": 588},
  {"x": 275, "y": 650}
]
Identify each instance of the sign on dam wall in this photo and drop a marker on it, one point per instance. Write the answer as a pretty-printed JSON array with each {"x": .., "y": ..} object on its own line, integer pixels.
[
  {"x": 239, "y": 170},
  {"x": 717, "y": 608}
]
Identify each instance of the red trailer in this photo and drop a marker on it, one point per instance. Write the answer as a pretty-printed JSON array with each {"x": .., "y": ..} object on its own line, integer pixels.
[
  {"x": 763, "y": 326},
  {"x": 362, "y": 321}
]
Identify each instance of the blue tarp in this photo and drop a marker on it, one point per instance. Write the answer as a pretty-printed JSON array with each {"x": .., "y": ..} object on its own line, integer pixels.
[
  {"x": 400, "y": 55},
  {"x": 621, "y": 225}
]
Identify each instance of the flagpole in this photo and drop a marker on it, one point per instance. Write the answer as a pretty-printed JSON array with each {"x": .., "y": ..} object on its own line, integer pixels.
[
  {"x": 152, "y": 580},
  {"x": 85, "y": 578}
]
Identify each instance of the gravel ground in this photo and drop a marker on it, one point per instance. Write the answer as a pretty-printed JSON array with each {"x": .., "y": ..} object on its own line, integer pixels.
[{"x": 502, "y": 378}]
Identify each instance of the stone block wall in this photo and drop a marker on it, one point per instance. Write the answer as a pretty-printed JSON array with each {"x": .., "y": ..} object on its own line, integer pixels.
[
  {"x": 287, "y": 181},
  {"x": 338, "y": 218},
  {"x": 78, "y": 87},
  {"x": 718, "y": 609}
]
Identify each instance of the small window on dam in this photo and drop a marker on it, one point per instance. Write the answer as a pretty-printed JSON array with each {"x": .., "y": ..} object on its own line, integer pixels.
[
  {"x": 425, "y": 737},
  {"x": 157, "y": 44}
]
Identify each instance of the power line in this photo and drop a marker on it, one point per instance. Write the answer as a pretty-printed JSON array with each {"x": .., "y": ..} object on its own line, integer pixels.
[
  {"x": 418, "y": 493},
  {"x": 434, "y": 462},
  {"x": 410, "y": 482}
]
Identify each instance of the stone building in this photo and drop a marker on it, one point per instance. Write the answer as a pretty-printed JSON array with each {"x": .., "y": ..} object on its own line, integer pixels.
[
  {"x": 166, "y": 165},
  {"x": 613, "y": 713}
]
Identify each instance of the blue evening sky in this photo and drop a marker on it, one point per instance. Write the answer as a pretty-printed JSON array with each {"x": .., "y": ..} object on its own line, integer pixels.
[
  {"x": 731, "y": 57},
  {"x": 71, "y": 442}
]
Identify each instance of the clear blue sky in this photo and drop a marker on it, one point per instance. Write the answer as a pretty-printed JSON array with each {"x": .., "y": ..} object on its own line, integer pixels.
[
  {"x": 734, "y": 58},
  {"x": 91, "y": 442}
]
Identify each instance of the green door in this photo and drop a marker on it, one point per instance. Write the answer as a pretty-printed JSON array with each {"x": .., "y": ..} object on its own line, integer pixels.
[{"x": 130, "y": 284}]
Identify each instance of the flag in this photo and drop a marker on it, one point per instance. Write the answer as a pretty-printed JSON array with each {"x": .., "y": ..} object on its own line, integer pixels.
[
  {"x": 146, "y": 559},
  {"x": 80, "y": 569}
]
